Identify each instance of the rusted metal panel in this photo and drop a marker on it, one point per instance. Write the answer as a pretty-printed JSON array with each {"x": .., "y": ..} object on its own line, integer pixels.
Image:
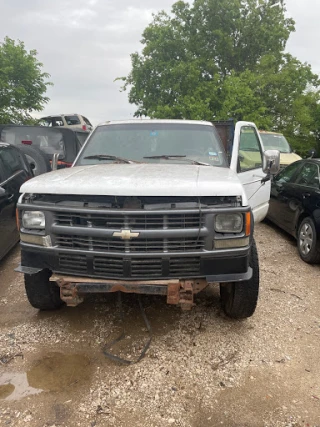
[
  {"x": 173, "y": 295},
  {"x": 179, "y": 292},
  {"x": 69, "y": 294},
  {"x": 199, "y": 285},
  {"x": 186, "y": 295}
]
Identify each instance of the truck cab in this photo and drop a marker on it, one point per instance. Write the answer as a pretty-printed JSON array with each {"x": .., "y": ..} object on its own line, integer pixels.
[{"x": 149, "y": 206}]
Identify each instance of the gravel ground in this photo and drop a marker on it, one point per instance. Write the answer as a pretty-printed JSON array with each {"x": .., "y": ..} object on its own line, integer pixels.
[{"x": 202, "y": 369}]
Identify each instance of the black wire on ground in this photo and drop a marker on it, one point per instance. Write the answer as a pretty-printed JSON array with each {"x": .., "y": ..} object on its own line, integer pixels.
[{"x": 108, "y": 347}]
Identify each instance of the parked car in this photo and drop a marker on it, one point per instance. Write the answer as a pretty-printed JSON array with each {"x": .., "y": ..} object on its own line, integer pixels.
[
  {"x": 250, "y": 155},
  {"x": 74, "y": 121},
  {"x": 14, "y": 171},
  {"x": 39, "y": 144},
  {"x": 277, "y": 141},
  {"x": 295, "y": 206}
]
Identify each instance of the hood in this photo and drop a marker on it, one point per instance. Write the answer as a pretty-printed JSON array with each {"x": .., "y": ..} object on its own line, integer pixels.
[
  {"x": 138, "y": 180},
  {"x": 288, "y": 158}
]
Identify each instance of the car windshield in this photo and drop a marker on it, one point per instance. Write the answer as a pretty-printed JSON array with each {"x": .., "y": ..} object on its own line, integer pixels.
[
  {"x": 274, "y": 141},
  {"x": 158, "y": 141}
]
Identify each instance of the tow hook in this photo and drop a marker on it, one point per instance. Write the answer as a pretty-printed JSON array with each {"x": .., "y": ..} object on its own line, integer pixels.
[
  {"x": 69, "y": 294},
  {"x": 186, "y": 295}
]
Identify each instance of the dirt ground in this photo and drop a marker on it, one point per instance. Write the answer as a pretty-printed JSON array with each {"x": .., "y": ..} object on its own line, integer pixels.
[{"x": 201, "y": 370}]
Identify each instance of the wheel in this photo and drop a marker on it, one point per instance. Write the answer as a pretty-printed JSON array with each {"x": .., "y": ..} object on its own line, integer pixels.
[
  {"x": 239, "y": 299},
  {"x": 41, "y": 292},
  {"x": 308, "y": 246},
  {"x": 37, "y": 161}
]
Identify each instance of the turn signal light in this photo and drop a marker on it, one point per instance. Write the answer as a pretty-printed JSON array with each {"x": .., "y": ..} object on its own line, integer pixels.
[
  {"x": 248, "y": 223},
  {"x": 17, "y": 220}
]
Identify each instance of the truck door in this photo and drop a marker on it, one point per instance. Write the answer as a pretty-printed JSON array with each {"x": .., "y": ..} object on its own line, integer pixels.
[{"x": 246, "y": 161}]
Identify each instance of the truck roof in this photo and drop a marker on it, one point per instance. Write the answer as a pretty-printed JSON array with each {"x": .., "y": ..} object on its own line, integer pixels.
[
  {"x": 270, "y": 133},
  {"x": 155, "y": 121}
]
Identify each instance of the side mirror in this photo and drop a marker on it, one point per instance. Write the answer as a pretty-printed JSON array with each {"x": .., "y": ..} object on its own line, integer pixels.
[
  {"x": 54, "y": 164},
  {"x": 270, "y": 163},
  {"x": 2, "y": 192}
]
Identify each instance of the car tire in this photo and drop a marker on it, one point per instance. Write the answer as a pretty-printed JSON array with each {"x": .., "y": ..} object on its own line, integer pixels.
[
  {"x": 239, "y": 299},
  {"x": 41, "y": 292},
  {"x": 308, "y": 245},
  {"x": 37, "y": 161}
]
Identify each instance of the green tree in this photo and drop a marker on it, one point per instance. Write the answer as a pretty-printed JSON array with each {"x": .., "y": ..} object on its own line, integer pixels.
[
  {"x": 218, "y": 59},
  {"x": 23, "y": 84}
]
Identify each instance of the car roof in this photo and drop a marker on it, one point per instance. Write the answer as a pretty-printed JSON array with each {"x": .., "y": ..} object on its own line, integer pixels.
[
  {"x": 313, "y": 160},
  {"x": 270, "y": 133},
  {"x": 65, "y": 129},
  {"x": 59, "y": 115},
  {"x": 155, "y": 121}
]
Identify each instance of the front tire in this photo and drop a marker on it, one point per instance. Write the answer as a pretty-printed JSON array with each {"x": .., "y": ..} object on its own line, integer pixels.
[
  {"x": 239, "y": 299},
  {"x": 308, "y": 246},
  {"x": 41, "y": 292}
]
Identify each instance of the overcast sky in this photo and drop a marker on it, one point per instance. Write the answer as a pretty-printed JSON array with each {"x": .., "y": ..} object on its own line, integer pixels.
[{"x": 86, "y": 44}]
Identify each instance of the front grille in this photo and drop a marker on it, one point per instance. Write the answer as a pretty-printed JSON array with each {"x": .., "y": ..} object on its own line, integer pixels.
[
  {"x": 89, "y": 243},
  {"x": 142, "y": 267},
  {"x": 184, "y": 266},
  {"x": 168, "y": 244},
  {"x": 109, "y": 267},
  {"x": 134, "y": 222},
  {"x": 73, "y": 263},
  {"x": 137, "y": 268}
]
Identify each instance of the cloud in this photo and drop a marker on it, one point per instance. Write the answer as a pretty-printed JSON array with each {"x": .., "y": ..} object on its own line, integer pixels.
[{"x": 86, "y": 44}]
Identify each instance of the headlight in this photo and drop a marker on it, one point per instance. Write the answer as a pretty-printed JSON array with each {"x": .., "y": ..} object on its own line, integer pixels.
[
  {"x": 33, "y": 220},
  {"x": 228, "y": 223}
]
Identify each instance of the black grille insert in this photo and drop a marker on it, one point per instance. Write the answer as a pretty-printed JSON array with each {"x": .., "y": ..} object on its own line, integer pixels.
[
  {"x": 108, "y": 266},
  {"x": 120, "y": 268},
  {"x": 88, "y": 243},
  {"x": 133, "y": 222},
  {"x": 74, "y": 263},
  {"x": 180, "y": 267}
]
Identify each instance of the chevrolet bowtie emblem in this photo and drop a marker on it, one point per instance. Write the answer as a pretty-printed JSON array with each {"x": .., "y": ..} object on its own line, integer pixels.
[{"x": 125, "y": 234}]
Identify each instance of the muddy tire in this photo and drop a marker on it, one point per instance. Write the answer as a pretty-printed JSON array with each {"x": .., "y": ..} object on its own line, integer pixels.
[
  {"x": 41, "y": 292},
  {"x": 308, "y": 245},
  {"x": 37, "y": 161},
  {"x": 239, "y": 299}
]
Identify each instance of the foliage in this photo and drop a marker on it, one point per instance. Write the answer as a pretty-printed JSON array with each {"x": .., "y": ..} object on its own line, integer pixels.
[
  {"x": 218, "y": 59},
  {"x": 22, "y": 83}
]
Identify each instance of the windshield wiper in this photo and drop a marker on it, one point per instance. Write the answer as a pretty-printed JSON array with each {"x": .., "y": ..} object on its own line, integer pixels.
[
  {"x": 178, "y": 156},
  {"x": 109, "y": 157}
]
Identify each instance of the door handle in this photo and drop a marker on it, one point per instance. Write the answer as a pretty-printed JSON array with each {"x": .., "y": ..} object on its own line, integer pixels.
[
  {"x": 10, "y": 197},
  {"x": 305, "y": 195}
]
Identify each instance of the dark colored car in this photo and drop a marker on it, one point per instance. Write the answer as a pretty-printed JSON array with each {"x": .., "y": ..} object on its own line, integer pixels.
[
  {"x": 14, "y": 171},
  {"x": 40, "y": 143},
  {"x": 295, "y": 205}
]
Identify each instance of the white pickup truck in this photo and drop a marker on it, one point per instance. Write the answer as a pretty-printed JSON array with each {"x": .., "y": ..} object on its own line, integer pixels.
[{"x": 152, "y": 207}]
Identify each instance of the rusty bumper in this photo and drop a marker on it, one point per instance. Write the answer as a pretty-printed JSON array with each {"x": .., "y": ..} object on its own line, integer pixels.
[{"x": 179, "y": 292}]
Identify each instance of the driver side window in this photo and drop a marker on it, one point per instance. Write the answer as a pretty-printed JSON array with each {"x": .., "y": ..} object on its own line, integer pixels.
[
  {"x": 286, "y": 174},
  {"x": 250, "y": 154}
]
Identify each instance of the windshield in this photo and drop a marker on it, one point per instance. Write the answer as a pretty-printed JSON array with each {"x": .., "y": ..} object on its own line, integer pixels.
[
  {"x": 275, "y": 141},
  {"x": 138, "y": 141}
]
